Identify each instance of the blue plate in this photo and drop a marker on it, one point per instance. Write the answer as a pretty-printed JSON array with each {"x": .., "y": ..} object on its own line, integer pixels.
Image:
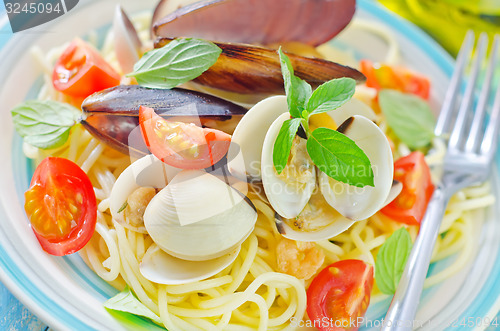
[{"x": 66, "y": 294}]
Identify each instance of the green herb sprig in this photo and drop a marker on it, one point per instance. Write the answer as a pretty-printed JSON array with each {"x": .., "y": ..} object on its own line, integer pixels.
[
  {"x": 331, "y": 151},
  {"x": 177, "y": 62},
  {"x": 391, "y": 260},
  {"x": 44, "y": 124},
  {"x": 409, "y": 117},
  {"x": 127, "y": 303}
]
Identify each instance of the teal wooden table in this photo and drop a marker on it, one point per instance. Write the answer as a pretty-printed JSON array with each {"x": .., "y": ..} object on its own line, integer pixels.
[{"x": 15, "y": 317}]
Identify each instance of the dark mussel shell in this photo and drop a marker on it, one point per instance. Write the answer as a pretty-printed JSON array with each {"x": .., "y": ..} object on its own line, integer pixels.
[
  {"x": 264, "y": 22},
  {"x": 243, "y": 68},
  {"x": 112, "y": 115}
]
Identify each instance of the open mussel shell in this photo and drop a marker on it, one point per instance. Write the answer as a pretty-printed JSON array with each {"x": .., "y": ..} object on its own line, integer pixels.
[
  {"x": 198, "y": 217},
  {"x": 263, "y": 22},
  {"x": 359, "y": 203},
  {"x": 162, "y": 268},
  {"x": 244, "y": 69},
  {"x": 112, "y": 115}
]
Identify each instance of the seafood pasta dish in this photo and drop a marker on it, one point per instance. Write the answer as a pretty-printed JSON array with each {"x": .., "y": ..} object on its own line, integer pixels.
[{"x": 226, "y": 169}]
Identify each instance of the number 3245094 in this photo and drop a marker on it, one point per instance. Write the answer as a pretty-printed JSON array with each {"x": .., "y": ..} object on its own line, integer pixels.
[
  {"x": 474, "y": 322},
  {"x": 33, "y": 8}
]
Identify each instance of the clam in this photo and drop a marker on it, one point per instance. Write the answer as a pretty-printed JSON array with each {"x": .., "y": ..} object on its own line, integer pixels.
[
  {"x": 256, "y": 21},
  {"x": 111, "y": 115},
  {"x": 199, "y": 217},
  {"x": 289, "y": 192},
  {"x": 128, "y": 46},
  {"x": 160, "y": 267},
  {"x": 248, "y": 137},
  {"x": 145, "y": 172},
  {"x": 315, "y": 206},
  {"x": 333, "y": 224},
  {"x": 396, "y": 188},
  {"x": 350, "y": 108},
  {"x": 360, "y": 203},
  {"x": 245, "y": 69}
]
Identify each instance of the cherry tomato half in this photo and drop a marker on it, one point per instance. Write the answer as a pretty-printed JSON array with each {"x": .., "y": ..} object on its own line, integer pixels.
[
  {"x": 61, "y": 206},
  {"x": 340, "y": 294},
  {"x": 182, "y": 145},
  {"x": 397, "y": 78},
  {"x": 410, "y": 205},
  {"x": 81, "y": 71}
]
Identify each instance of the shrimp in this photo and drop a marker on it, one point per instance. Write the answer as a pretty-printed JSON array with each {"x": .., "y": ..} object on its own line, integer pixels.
[
  {"x": 298, "y": 258},
  {"x": 136, "y": 205}
]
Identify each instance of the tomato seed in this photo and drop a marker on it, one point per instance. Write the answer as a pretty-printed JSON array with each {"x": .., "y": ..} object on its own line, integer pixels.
[{"x": 334, "y": 271}]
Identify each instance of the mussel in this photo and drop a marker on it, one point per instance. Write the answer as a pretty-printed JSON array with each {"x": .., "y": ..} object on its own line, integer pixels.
[
  {"x": 111, "y": 115},
  {"x": 245, "y": 69},
  {"x": 263, "y": 22}
]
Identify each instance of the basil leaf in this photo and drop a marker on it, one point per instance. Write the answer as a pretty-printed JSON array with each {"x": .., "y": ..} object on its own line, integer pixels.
[
  {"x": 339, "y": 157},
  {"x": 297, "y": 90},
  {"x": 126, "y": 301},
  {"x": 409, "y": 117},
  {"x": 391, "y": 260},
  {"x": 283, "y": 143},
  {"x": 331, "y": 95},
  {"x": 44, "y": 124},
  {"x": 175, "y": 63}
]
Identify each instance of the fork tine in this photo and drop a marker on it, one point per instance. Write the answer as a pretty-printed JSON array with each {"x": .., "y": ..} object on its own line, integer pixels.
[
  {"x": 450, "y": 97},
  {"x": 457, "y": 132},
  {"x": 490, "y": 139},
  {"x": 477, "y": 123}
]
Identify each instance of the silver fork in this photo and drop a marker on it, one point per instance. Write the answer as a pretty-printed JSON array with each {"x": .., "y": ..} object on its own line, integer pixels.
[{"x": 470, "y": 153}]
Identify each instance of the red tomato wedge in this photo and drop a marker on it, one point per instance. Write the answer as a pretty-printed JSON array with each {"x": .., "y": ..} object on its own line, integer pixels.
[
  {"x": 182, "y": 145},
  {"x": 397, "y": 78},
  {"x": 81, "y": 71},
  {"x": 410, "y": 205},
  {"x": 339, "y": 295},
  {"x": 61, "y": 206}
]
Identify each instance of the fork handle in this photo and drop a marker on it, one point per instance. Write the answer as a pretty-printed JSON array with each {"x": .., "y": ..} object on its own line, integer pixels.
[{"x": 401, "y": 313}]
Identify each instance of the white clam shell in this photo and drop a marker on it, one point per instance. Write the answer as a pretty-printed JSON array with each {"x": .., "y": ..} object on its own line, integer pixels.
[
  {"x": 338, "y": 225},
  {"x": 127, "y": 43},
  {"x": 351, "y": 108},
  {"x": 396, "y": 188},
  {"x": 286, "y": 200},
  {"x": 148, "y": 171},
  {"x": 360, "y": 203},
  {"x": 160, "y": 267},
  {"x": 199, "y": 217},
  {"x": 249, "y": 136}
]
